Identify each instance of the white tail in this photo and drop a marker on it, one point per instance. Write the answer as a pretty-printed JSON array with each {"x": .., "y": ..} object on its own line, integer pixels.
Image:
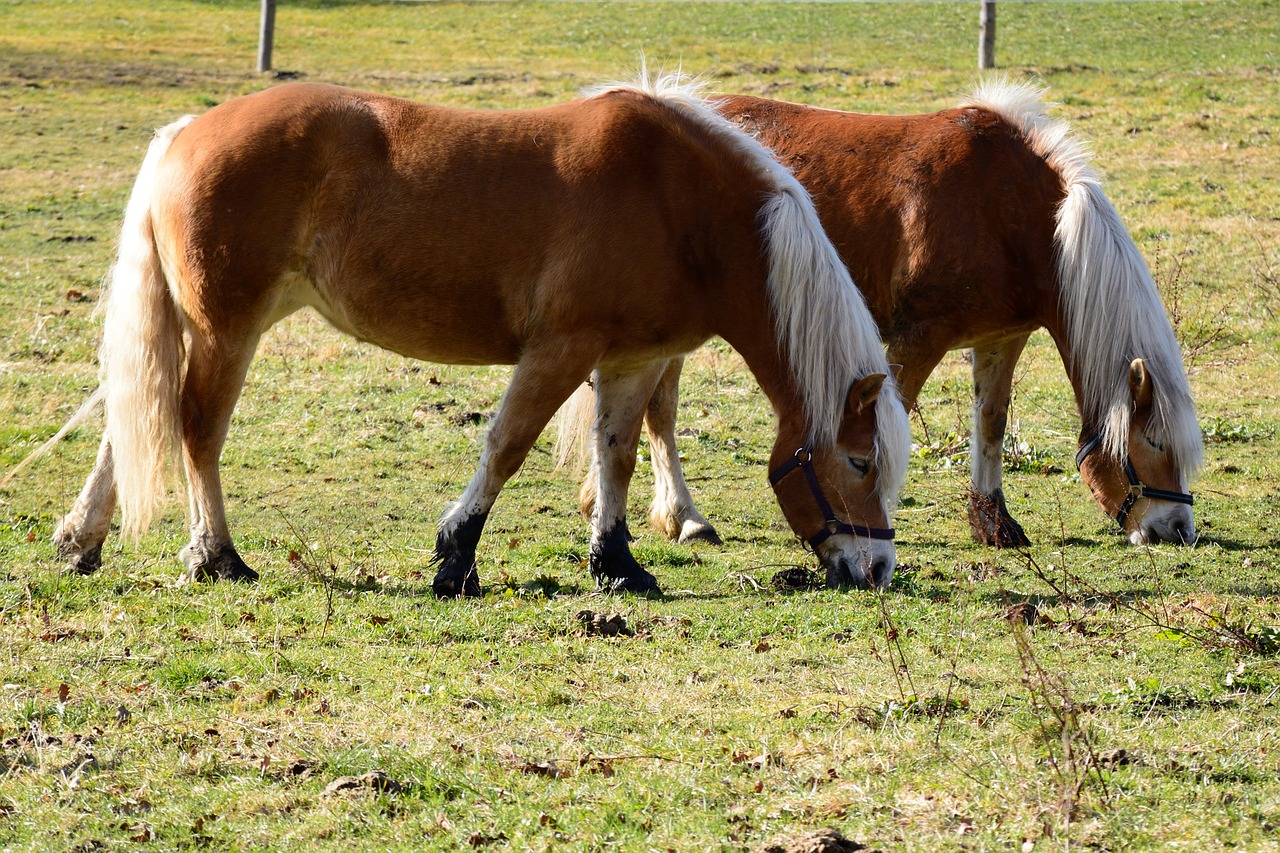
[
  {"x": 574, "y": 422},
  {"x": 81, "y": 415},
  {"x": 142, "y": 356}
]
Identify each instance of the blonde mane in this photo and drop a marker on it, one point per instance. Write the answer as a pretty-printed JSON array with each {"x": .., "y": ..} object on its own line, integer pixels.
[
  {"x": 821, "y": 319},
  {"x": 1110, "y": 306}
]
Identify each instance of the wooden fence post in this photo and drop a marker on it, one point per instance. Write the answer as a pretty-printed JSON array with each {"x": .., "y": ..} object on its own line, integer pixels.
[
  {"x": 266, "y": 34},
  {"x": 987, "y": 35}
]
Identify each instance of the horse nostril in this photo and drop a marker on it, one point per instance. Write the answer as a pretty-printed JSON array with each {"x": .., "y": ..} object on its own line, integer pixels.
[
  {"x": 880, "y": 573},
  {"x": 1184, "y": 534}
]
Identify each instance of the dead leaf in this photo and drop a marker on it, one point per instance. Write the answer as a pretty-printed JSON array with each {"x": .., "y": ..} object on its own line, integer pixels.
[
  {"x": 479, "y": 839},
  {"x": 543, "y": 768},
  {"x": 373, "y": 781},
  {"x": 64, "y": 691}
]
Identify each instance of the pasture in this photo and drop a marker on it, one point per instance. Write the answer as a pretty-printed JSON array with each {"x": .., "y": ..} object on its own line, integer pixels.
[{"x": 1081, "y": 693}]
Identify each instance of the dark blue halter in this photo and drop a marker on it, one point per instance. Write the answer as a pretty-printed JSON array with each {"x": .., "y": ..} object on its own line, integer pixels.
[
  {"x": 1136, "y": 487},
  {"x": 803, "y": 459}
]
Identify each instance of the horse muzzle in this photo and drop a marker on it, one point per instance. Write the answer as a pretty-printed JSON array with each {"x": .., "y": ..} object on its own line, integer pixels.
[
  {"x": 858, "y": 562},
  {"x": 1169, "y": 523}
]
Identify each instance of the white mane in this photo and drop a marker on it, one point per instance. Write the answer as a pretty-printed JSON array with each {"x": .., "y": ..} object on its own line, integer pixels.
[
  {"x": 821, "y": 318},
  {"x": 1110, "y": 306}
]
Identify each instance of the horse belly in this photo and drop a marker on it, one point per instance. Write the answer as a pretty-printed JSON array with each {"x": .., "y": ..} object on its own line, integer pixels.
[{"x": 435, "y": 325}]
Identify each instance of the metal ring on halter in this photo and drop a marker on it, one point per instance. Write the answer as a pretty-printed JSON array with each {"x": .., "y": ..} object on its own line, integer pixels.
[
  {"x": 1136, "y": 487},
  {"x": 802, "y": 459}
]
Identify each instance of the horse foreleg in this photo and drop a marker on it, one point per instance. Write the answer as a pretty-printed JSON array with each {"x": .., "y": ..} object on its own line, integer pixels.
[
  {"x": 621, "y": 400},
  {"x": 989, "y": 517},
  {"x": 214, "y": 379},
  {"x": 81, "y": 532},
  {"x": 540, "y": 384},
  {"x": 672, "y": 510}
]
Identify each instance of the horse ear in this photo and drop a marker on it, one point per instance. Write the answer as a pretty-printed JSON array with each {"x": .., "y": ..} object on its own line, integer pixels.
[
  {"x": 1140, "y": 384},
  {"x": 896, "y": 370},
  {"x": 864, "y": 392}
]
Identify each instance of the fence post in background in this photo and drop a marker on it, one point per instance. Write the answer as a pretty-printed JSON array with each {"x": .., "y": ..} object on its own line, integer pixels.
[
  {"x": 987, "y": 35},
  {"x": 266, "y": 34}
]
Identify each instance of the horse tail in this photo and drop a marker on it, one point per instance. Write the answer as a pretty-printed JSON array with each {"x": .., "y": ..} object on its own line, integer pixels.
[
  {"x": 1109, "y": 299},
  {"x": 572, "y": 426},
  {"x": 142, "y": 356},
  {"x": 81, "y": 415}
]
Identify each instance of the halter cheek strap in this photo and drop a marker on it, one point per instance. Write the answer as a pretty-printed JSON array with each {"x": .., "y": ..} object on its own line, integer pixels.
[
  {"x": 1136, "y": 487},
  {"x": 803, "y": 460}
]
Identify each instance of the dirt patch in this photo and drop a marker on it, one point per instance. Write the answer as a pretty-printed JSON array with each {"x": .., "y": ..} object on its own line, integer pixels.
[
  {"x": 826, "y": 840},
  {"x": 373, "y": 782}
]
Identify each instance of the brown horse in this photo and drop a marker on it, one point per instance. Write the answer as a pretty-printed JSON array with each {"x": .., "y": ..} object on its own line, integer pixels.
[
  {"x": 600, "y": 237},
  {"x": 972, "y": 227}
]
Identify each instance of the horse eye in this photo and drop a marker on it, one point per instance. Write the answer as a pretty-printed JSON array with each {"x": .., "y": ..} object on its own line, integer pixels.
[
  {"x": 862, "y": 466},
  {"x": 1152, "y": 443}
]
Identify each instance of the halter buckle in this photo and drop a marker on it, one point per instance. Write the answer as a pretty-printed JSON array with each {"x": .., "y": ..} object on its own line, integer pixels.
[{"x": 1136, "y": 488}]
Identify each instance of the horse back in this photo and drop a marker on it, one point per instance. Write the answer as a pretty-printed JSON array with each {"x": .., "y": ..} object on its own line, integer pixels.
[
  {"x": 407, "y": 224},
  {"x": 946, "y": 220}
]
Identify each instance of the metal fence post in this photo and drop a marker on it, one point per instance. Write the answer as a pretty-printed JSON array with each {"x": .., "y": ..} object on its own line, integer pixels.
[{"x": 266, "y": 34}]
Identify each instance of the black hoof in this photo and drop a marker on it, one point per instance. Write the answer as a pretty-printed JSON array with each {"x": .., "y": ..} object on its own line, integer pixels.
[
  {"x": 80, "y": 560},
  {"x": 621, "y": 573},
  {"x": 991, "y": 523},
  {"x": 83, "y": 562},
  {"x": 221, "y": 565},
  {"x": 613, "y": 567},
  {"x": 457, "y": 583},
  {"x": 639, "y": 582}
]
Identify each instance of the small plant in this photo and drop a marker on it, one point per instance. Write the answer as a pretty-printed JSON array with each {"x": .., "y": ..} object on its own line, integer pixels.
[
  {"x": 1220, "y": 430},
  {"x": 1199, "y": 332},
  {"x": 1143, "y": 696}
]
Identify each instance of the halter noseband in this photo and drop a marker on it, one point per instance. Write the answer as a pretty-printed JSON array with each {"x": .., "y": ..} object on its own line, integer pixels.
[
  {"x": 802, "y": 459},
  {"x": 1136, "y": 487}
]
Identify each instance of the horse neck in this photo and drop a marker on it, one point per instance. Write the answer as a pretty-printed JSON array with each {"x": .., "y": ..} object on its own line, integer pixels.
[{"x": 751, "y": 332}]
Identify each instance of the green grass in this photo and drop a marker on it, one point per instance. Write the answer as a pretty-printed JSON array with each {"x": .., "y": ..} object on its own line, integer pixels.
[{"x": 1135, "y": 711}]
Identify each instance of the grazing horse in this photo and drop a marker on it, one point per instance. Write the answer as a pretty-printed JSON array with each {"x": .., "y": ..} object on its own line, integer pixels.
[
  {"x": 972, "y": 227},
  {"x": 600, "y": 237}
]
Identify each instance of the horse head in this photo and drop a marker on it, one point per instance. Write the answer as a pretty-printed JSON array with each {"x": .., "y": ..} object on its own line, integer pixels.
[
  {"x": 836, "y": 498},
  {"x": 1145, "y": 492}
]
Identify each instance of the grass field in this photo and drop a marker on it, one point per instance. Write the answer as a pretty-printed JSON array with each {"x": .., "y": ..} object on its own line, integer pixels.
[{"x": 1081, "y": 694}]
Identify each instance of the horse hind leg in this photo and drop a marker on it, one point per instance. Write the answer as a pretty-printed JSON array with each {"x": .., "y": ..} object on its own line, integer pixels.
[
  {"x": 82, "y": 531},
  {"x": 672, "y": 511},
  {"x": 989, "y": 517},
  {"x": 215, "y": 376}
]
